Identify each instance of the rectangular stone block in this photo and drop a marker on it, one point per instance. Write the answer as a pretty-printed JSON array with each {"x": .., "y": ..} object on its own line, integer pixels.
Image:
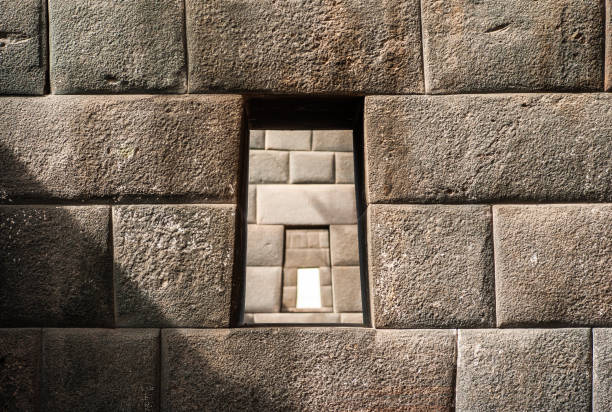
[
  {"x": 289, "y": 298},
  {"x": 345, "y": 168},
  {"x": 289, "y": 276},
  {"x": 55, "y": 266},
  {"x": 354, "y": 318},
  {"x": 265, "y": 245},
  {"x": 344, "y": 245},
  {"x": 120, "y": 147},
  {"x": 257, "y": 139},
  {"x": 306, "y": 258},
  {"x": 489, "y": 148},
  {"x": 346, "y": 281},
  {"x": 174, "y": 265},
  {"x": 332, "y": 140},
  {"x": 23, "y": 46},
  {"x": 100, "y": 369},
  {"x": 117, "y": 47},
  {"x": 294, "y": 318},
  {"x": 252, "y": 205},
  {"x": 307, "y": 238},
  {"x": 263, "y": 289},
  {"x": 327, "y": 300},
  {"x": 431, "y": 266},
  {"x": 602, "y": 370},
  {"x": 310, "y": 369},
  {"x": 509, "y": 45},
  {"x": 306, "y": 204},
  {"x": 524, "y": 370},
  {"x": 553, "y": 264},
  {"x": 325, "y": 276},
  {"x": 20, "y": 351},
  {"x": 311, "y": 167},
  {"x": 288, "y": 139},
  {"x": 305, "y": 46},
  {"x": 268, "y": 166}
]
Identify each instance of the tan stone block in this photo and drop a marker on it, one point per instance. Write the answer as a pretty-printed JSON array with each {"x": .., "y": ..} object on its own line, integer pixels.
[
  {"x": 354, "y": 318},
  {"x": 345, "y": 168},
  {"x": 268, "y": 166},
  {"x": 248, "y": 319},
  {"x": 289, "y": 276},
  {"x": 252, "y": 205},
  {"x": 307, "y": 258},
  {"x": 311, "y": 167},
  {"x": 325, "y": 276},
  {"x": 289, "y": 298},
  {"x": 327, "y": 300},
  {"x": 344, "y": 245},
  {"x": 262, "y": 289},
  {"x": 265, "y": 245},
  {"x": 346, "y": 282},
  {"x": 288, "y": 139},
  {"x": 297, "y": 318},
  {"x": 332, "y": 140},
  {"x": 257, "y": 139},
  {"x": 296, "y": 238}
]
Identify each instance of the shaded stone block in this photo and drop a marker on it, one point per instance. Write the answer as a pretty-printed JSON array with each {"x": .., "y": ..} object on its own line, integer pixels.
[
  {"x": 100, "y": 369},
  {"x": 325, "y": 276},
  {"x": 311, "y": 167},
  {"x": 489, "y": 148},
  {"x": 265, "y": 245},
  {"x": 602, "y": 370},
  {"x": 306, "y": 258},
  {"x": 355, "y": 318},
  {"x": 257, "y": 139},
  {"x": 283, "y": 369},
  {"x": 289, "y": 276},
  {"x": 122, "y": 147},
  {"x": 307, "y": 238},
  {"x": 524, "y": 370},
  {"x": 20, "y": 362},
  {"x": 252, "y": 205},
  {"x": 346, "y": 281},
  {"x": 344, "y": 245},
  {"x": 263, "y": 289},
  {"x": 248, "y": 319},
  {"x": 268, "y": 166},
  {"x": 297, "y": 318},
  {"x": 174, "y": 265},
  {"x": 289, "y": 298},
  {"x": 23, "y": 46},
  {"x": 553, "y": 264},
  {"x": 115, "y": 47},
  {"x": 288, "y": 139},
  {"x": 332, "y": 140},
  {"x": 345, "y": 168},
  {"x": 502, "y": 45},
  {"x": 431, "y": 266},
  {"x": 343, "y": 47},
  {"x": 55, "y": 266},
  {"x": 327, "y": 300}
]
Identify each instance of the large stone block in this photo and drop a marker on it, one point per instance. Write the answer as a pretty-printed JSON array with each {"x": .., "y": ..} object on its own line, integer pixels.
[
  {"x": 344, "y": 245},
  {"x": 306, "y": 204},
  {"x": 263, "y": 289},
  {"x": 117, "y": 46},
  {"x": 332, "y": 140},
  {"x": 510, "y": 45},
  {"x": 311, "y": 167},
  {"x": 553, "y": 264},
  {"x": 310, "y": 369},
  {"x": 23, "y": 46},
  {"x": 20, "y": 361},
  {"x": 268, "y": 166},
  {"x": 84, "y": 147},
  {"x": 55, "y": 266},
  {"x": 345, "y": 168},
  {"x": 100, "y": 369},
  {"x": 431, "y": 266},
  {"x": 174, "y": 265},
  {"x": 265, "y": 245},
  {"x": 524, "y": 370},
  {"x": 304, "y": 46},
  {"x": 288, "y": 139},
  {"x": 489, "y": 148},
  {"x": 602, "y": 370},
  {"x": 346, "y": 281}
]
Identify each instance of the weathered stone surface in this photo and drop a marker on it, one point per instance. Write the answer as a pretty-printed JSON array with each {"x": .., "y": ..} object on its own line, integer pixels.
[
  {"x": 174, "y": 265},
  {"x": 257, "y": 139},
  {"x": 489, "y": 148},
  {"x": 308, "y": 369},
  {"x": 344, "y": 245},
  {"x": 346, "y": 281},
  {"x": 553, "y": 264},
  {"x": 20, "y": 362},
  {"x": 501, "y": 45},
  {"x": 345, "y": 169},
  {"x": 265, "y": 245},
  {"x": 23, "y": 46},
  {"x": 311, "y": 167},
  {"x": 268, "y": 166},
  {"x": 288, "y": 139},
  {"x": 332, "y": 140},
  {"x": 98, "y": 369},
  {"x": 524, "y": 370},
  {"x": 608, "y": 63},
  {"x": 83, "y": 147},
  {"x": 55, "y": 266},
  {"x": 109, "y": 46},
  {"x": 602, "y": 370},
  {"x": 263, "y": 289},
  {"x": 431, "y": 266},
  {"x": 305, "y": 46}
]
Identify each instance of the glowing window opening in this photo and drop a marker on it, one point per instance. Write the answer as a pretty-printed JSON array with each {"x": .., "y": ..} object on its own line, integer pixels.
[{"x": 308, "y": 288}]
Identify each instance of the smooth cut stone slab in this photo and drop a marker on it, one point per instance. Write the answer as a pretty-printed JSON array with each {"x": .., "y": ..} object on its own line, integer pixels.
[
  {"x": 268, "y": 166},
  {"x": 511, "y": 45},
  {"x": 309, "y": 369},
  {"x": 263, "y": 289},
  {"x": 304, "y": 46},
  {"x": 20, "y": 351},
  {"x": 553, "y": 264},
  {"x": 524, "y": 370},
  {"x": 489, "y": 148},
  {"x": 265, "y": 245},
  {"x": 602, "y": 370}
]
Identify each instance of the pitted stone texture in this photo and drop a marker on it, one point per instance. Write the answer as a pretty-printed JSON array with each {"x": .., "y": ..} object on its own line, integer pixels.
[
  {"x": 20, "y": 362},
  {"x": 524, "y": 370},
  {"x": 553, "y": 264},
  {"x": 288, "y": 139},
  {"x": 268, "y": 166},
  {"x": 332, "y": 140},
  {"x": 304, "y": 46},
  {"x": 107, "y": 46},
  {"x": 265, "y": 245},
  {"x": 263, "y": 289},
  {"x": 23, "y": 46},
  {"x": 510, "y": 45},
  {"x": 174, "y": 265},
  {"x": 311, "y": 167},
  {"x": 98, "y": 369},
  {"x": 608, "y": 68},
  {"x": 602, "y": 370},
  {"x": 345, "y": 169},
  {"x": 431, "y": 266},
  {"x": 344, "y": 245},
  {"x": 347, "y": 289},
  {"x": 84, "y": 147},
  {"x": 55, "y": 266},
  {"x": 312, "y": 369},
  {"x": 489, "y": 148}
]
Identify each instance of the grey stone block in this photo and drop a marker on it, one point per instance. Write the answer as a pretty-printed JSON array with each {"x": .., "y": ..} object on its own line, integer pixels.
[
  {"x": 307, "y": 369},
  {"x": 55, "y": 266},
  {"x": 88, "y": 147},
  {"x": 431, "y": 266},
  {"x": 252, "y": 205},
  {"x": 257, "y": 139},
  {"x": 289, "y": 298},
  {"x": 346, "y": 281},
  {"x": 306, "y": 258},
  {"x": 602, "y": 370},
  {"x": 311, "y": 167},
  {"x": 355, "y": 318},
  {"x": 263, "y": 289},
  {"x": 332, "y": 140},
  {"x": 100, "y": 369},
  {"x": 344, "y": 245},
  {"x": 174, "y": 265},
  {"x": 111, "y": 47},
  {"x": 268, "y": 166},
  {"x": 265, "y": 245},
  {"x": 489, "y": 148},
  {"x": 23, "y": 46},
  {"x": 343, "y": 47},
  {"x": 503, "y": 45},
  {"x": 297, "y": 318},
  {"x": 345, "y": 168},
  {"x": 524, "y": 370},
  {"x": 288, "y": 139},
  {"x": 553, "y": 264},
  {"x": 20, "y": 351}
]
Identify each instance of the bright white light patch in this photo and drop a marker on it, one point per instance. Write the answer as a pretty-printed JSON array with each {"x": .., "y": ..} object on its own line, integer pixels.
[{"x": 308, "y": 289}]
